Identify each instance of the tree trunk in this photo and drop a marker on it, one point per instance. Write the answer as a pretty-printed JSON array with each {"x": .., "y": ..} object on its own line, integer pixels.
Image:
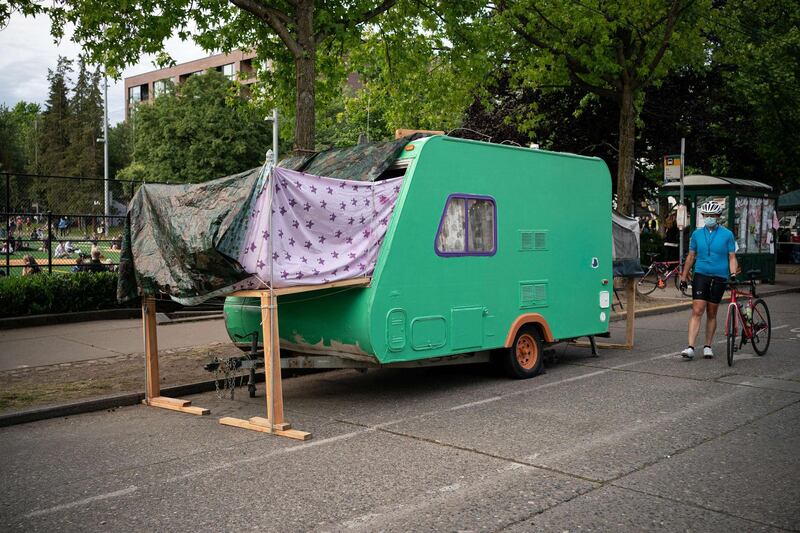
[
  {"x": 627, "y": 138},
  {"x": 305, "y": 77}
]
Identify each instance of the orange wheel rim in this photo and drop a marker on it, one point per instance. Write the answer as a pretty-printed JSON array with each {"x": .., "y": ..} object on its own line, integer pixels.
[{"x": 527, "y": 351}]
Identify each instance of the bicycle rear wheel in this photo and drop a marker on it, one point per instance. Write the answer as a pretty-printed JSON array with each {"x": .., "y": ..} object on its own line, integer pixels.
[
  {"x": 762, "y": 327},
  {"x": 648, "y": 282},
  {"x": 730, "y": 331}
]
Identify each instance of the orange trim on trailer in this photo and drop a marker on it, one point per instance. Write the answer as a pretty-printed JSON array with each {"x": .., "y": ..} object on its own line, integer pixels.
[{"x": 528, "y": 318}]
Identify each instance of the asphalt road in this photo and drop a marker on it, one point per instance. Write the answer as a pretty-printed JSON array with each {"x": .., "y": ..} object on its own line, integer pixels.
[{"x": 633, "y": 440}]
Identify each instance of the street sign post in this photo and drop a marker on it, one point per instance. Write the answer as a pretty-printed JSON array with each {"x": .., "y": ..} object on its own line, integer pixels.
[{"x": 673, "y": 171}]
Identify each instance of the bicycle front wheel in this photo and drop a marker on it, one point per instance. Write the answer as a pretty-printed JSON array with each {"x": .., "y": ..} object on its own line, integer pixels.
[
  {"x": 762, "y": 327},
  {"x": 730, "y": 331},
  {"x": 648, "y": 282}
]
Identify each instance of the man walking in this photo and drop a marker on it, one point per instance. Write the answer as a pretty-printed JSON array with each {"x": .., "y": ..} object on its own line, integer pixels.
[{"x": 713, "y": 249}]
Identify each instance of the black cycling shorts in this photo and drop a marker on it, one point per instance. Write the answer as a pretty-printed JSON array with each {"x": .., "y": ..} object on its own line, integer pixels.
[{"x": 708, "y": 288}]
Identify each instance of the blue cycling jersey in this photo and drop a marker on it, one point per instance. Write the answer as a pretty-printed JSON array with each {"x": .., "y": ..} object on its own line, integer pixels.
[{"x": 712, "y": 249}]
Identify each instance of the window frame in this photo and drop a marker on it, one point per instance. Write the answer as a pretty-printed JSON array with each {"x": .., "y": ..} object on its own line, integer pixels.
[{"x": 467, "y": 252}]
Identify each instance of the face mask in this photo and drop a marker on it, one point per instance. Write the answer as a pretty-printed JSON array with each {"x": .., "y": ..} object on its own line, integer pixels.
[{"x": 711, "y": 222}]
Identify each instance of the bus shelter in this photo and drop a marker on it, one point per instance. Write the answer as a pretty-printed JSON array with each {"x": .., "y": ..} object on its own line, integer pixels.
[{"x": 748, "y": 210}]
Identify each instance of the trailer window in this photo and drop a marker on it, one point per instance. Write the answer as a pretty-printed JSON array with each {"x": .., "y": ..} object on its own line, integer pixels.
[{"x": 468, "y": 226}]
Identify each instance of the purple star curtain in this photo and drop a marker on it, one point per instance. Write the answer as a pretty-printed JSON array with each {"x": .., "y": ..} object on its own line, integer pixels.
[{"x": 322, "y": 229}]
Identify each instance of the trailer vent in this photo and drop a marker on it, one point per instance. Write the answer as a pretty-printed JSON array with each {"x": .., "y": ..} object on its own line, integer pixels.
[
  {"x": 540, "y": 240},
  {"x": 532, "y": 294},
  {"x": 525, "y": 240},
  {"x": 532, "y": 240}
]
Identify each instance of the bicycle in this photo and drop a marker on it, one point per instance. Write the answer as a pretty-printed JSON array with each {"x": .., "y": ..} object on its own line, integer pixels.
[
  {"x": 752, "y": 318},
  {"x": 657, "y": 274}
]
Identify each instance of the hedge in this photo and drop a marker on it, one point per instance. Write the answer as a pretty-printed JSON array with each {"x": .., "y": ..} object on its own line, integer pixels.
[{"x": 44, "y": 293}]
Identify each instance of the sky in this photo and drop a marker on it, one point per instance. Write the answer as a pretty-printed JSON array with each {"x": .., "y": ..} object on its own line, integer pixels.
[{"x": 27, "y": 50}]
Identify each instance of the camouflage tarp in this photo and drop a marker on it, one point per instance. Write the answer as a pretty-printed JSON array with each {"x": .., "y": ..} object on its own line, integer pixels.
[
  {"x": 179, "y": 239},
  {"x": 171, "y": 235}
]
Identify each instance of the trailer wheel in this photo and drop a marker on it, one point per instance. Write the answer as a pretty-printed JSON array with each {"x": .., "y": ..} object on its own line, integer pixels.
[{"x": 524, "y": 359}]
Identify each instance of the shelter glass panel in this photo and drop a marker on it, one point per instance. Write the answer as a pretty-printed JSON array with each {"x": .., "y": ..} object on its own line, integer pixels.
[
  {"x": 754, "y": 225},
  {"x": 766, "y": 244},
  {"x": 740, "y": 223},
  {"x": 481, "y": 217}
]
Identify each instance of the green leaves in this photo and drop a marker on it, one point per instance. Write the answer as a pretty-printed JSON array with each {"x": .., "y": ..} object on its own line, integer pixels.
[
  {"x": 199, "y": 131},
  {"x": 57, "y": 293}
]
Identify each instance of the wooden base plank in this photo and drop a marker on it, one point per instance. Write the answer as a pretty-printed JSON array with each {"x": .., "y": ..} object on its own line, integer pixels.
[
  {"x": 615, "y": 345},
  {"x": 175, "y": 404},
  {"x": 247, "y": 424},
  {"x": 261, "y": 421}
]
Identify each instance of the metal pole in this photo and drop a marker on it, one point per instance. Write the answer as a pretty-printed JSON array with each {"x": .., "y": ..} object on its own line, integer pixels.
[
  {"x": 8, "y": 225},
  {"x": 680, "y": 238},
  {"x": 49, "y": 242},
  {"x": 275, "y": 137},
  {"x": 106, "y": 199}
]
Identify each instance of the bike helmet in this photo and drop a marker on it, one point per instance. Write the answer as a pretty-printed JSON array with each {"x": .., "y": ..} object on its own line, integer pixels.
[{"x": 711, "y": 208}]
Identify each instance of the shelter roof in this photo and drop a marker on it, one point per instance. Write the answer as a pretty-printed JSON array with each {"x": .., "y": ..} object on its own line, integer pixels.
[
  {"x": 699, "y": 180},
  {"x": 789, "y": 200}
]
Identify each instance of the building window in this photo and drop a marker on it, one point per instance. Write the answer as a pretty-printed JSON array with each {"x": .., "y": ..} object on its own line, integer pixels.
[
  {"x": 134, "y": 95},
  {"x": 160, "y": 87},
  {"x": 227, "y": 71},
  {"x": 468, "y": 226}
]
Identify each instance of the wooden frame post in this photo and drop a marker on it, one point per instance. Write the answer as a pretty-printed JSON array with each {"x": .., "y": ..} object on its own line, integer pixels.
[
  {"x": 152, "y": 387},
  {"x": 152, "y": 378},
  {"x": 274, "y": 423}
]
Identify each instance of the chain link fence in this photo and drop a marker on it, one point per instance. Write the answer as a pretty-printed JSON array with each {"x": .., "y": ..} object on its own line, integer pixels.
[{"x": 56, "y": 223}]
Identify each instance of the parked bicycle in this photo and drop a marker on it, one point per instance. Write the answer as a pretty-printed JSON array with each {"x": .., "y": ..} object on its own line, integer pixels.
[
  {"x": 658, "y": 274},
  {"x": 748, "y": 319}
]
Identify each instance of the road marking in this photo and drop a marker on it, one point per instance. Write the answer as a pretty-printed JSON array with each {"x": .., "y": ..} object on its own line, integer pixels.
[
  {"x": 84, "y": 501},
  {"x": 780, "y": 327},
  {"x": 472, "y": 404}
]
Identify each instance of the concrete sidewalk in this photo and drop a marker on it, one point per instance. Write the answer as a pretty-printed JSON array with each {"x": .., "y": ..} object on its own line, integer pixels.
[{"x": 69, "y": 343}]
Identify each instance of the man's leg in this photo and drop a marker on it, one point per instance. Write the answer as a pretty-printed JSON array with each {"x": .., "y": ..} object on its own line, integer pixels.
[{"x": 698, "y": 308}]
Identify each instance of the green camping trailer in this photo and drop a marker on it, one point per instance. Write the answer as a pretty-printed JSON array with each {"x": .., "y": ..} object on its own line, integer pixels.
[{"x": 489, "y": 247}]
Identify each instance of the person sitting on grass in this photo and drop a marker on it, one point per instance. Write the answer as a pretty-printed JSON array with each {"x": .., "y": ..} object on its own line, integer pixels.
[
  {"x": 61, "y": 250},
  {"x": 31, "y": 266},
  {"x": 95, "y": 265}
]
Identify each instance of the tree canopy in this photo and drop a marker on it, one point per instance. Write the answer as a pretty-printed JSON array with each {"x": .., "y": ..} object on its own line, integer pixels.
[{"x": 200, "y": 130}]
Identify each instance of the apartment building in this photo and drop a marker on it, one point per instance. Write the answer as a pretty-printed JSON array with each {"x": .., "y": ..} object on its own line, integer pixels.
[{"x": 146, "y": 86}]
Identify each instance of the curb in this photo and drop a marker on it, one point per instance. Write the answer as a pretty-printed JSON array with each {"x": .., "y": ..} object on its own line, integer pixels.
[{"x": 105, "y": 402}]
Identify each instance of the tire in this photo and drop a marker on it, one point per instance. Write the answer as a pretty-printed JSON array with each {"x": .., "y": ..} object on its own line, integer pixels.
[
  {"x": 688, "y": 291},
  {"x": 524, "y": 358},
  {"x": 762, "y": 327},
  {"x": 648, "y": 282},
  {"x": 730, "y": 330}
]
